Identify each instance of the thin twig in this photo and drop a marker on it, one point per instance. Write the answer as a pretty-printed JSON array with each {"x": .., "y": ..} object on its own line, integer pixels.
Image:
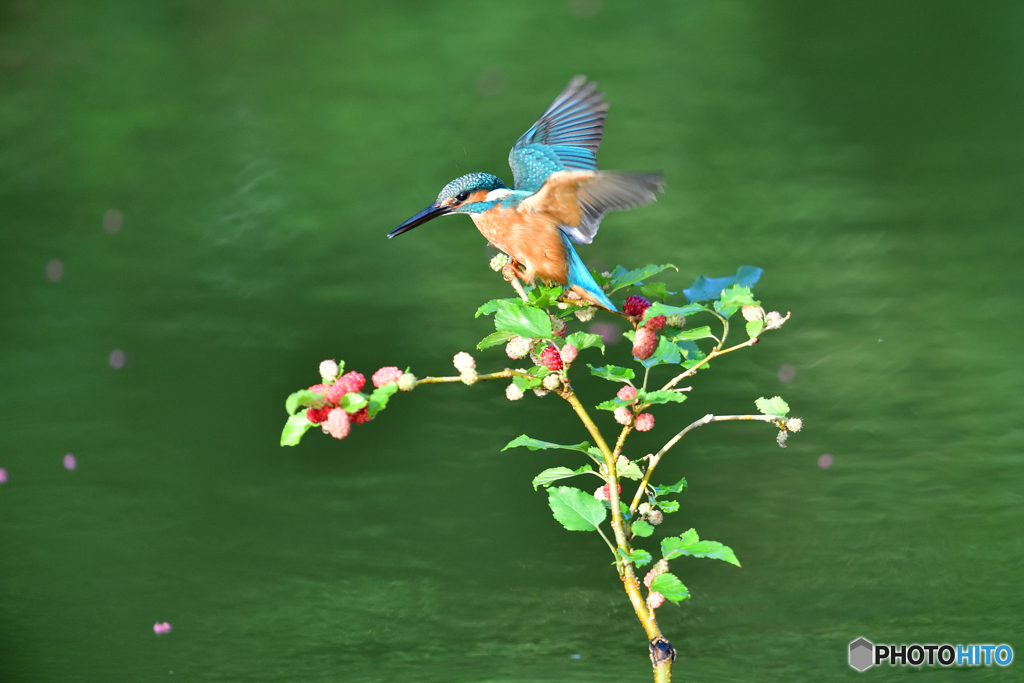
[
  {"x": 480, "y": 378},
  {"x": 654, "y": 459}
]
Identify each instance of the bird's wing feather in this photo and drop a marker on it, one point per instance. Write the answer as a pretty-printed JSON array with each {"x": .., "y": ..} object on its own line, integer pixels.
[
  {"x": 578, "y": 200},
  {"x": 565, "y": 137}
]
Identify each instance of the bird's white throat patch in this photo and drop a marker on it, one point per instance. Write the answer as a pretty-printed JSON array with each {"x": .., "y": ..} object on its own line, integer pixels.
[{"x": 495, "y": 195}]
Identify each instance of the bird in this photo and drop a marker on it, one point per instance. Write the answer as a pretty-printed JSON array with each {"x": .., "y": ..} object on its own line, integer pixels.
[{"x": 558, "y": 196}]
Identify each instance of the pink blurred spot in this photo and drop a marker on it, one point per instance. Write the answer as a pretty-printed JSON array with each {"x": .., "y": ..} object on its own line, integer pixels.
[
  {"x": 3, "y": 475},
  {"x": 825, "y": 460},
  {"x": 54, "y": 270},
  {"x": 610, "y": 332},
  {"x": 113, "y": 220},
  {"x": 69, "y": 462},
  {"x": 117, "y": 359},
  {"x": 161, "y": 628},
  {"x": 787, "y": 373}
]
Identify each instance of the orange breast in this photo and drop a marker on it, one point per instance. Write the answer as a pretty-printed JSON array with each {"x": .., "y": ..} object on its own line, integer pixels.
[{"x": 532, "y": 239}]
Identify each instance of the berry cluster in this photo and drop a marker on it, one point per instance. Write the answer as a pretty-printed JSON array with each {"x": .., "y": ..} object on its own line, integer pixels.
[{"x": 339, "y": 396}]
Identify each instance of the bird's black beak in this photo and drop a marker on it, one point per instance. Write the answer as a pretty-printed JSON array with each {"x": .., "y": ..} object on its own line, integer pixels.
[{"x": 432, "y": 211}]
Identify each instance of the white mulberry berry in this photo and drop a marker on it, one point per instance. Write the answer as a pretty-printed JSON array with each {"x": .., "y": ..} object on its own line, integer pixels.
[
  {"x": 551, "y": 382},
  {"x": 513, "y": 392}
]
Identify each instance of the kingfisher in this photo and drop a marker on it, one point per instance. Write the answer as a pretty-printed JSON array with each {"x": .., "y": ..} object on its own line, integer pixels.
[{"x": 558, "y": 196}]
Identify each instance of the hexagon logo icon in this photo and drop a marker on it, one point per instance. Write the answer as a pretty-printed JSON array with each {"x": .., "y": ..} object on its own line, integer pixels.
[{"x": 861, "y": 654}]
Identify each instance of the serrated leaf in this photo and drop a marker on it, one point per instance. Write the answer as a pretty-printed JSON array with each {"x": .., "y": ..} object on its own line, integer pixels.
[
  {"x": 690, "y": 351},
  {"x": 630, "y": 277},
  {"x": 543, "y": 296},
  {"x": 667, "y": 353},
  {"x": 294, "y": 428},
  {"x": 525, "y": 384},
  {"x": 379, "y": 398},
  {"x": 638, "y": 556},
  {"x": 688, "y": 543},
  {"x": 668, "y": 506},
  {"x": 733, "y": 298},
  {"x": 669, "y": 585},
  {"x": 772, "y": 406},
  {"x": 576, "y": 510},
  {"x": 488, "y": 308},
  {"x": 692, "y": 334},
  {"x": 657, "y": 397},
  {"x": 655, "y": 290},
  {"x": 523, "y": 320},
  {"x": 494, "y": 338},
  {"x": 585, "y": 340},
  {"x": 705, "y": 288},
  {"x": 628, "y": 470},
  {"x": 305, "y": 398},
  {"x": 642, "y": 528},
  {"x": 613, "y": 403},
  {"x": 353, "y": 402},
  {"x": 658, "y": 308},
  {"x": 677, "y": 487},
  {"x": 557, "y": 473},
  {"x": 612, "y": 373},
  {"x": 536, "y": 444}
]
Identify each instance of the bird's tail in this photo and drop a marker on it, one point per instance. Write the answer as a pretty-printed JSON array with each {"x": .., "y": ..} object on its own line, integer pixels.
[{"x": 579, "y": 276}]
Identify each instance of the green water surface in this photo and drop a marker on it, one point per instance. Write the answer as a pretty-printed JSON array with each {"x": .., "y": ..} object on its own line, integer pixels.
[{"x": 868, "y": 155}]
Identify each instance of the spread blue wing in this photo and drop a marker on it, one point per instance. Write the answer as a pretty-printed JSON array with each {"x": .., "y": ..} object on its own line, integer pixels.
[{"x": 565, "y": 137}]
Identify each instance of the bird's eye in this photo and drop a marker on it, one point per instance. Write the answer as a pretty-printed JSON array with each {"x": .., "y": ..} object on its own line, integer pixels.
[{"x": 462, "y": 196}]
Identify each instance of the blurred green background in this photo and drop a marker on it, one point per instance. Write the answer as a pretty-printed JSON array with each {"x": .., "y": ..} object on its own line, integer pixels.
[{"x": 205, "y": 187}]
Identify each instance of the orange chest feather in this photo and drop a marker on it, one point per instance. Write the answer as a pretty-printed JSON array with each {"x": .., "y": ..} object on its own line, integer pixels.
[{"x": 530, "y": 238}]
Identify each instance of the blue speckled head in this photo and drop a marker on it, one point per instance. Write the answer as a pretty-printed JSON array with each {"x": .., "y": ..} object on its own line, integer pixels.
[{"x": 471, "y": 182}]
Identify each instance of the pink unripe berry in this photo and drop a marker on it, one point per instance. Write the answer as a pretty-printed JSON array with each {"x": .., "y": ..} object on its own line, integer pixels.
[
  {"x": 656, "y": 323},
  {"x": 551, "y": 359},
  {"x": 623, "y": 415},
  {"x": 635, "y": 305},
  {"x": 602, "y": 492},
  {"x": 645, "y": 422},
  {"x": 346, "y": 384},
  {"x": 644, "y": 343},
  {"x": 328, "y": 370},
  {"x": 568, "y": 353},
  {"x": 319, "y": 388},
  {"x": 464, "y": 362},
  {"x": 627, "y": 393},
  {"x": 655, "y": 600},
  {"x": 338, "y": 424},
  {"x": 386, "y": 375}
]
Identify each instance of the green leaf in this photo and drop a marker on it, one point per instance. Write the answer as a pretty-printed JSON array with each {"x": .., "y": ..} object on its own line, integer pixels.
[
  {"x": 543, "y": 296},
  {"x": 733, "y": 298},
  {"x": 625, "y": 279},
  {"x": 612, "y": 404},
  {"x": 677, "y": 487},
  {"x": 705, "y": 288},
  {"x": 655, "y": 290},
  {"x": 691, "y": 352},
  {"x": 525, "y": 321},
  {"x": 379, "y": 398},
  {"x": 556, "y": 473},
  {"x": 353, "y": 402},
  {"x": 294, "y": 428},
  {"x": 494, "y": 338},
  {"x": 642, "y": 528},
  {"x": 535, "y": 445},
  {"x": 584, "y": 340},
  {"x": 658, "y": 308},
  {"x": 488, "y": 308},
  {"x": 612, "y": 373},
  {"x": 668, "y": 505},
  {"x": 666, "y": 353},
  {"x": 754, "y": 328},
  {"x": 639, "y": 557},
  {"x": 669, "y": 585},
  {"x": 629, "y": 471},
  {"x": 304, "y": 398},
  {"x": 576, "y": 510},
  {"x": 694, "y": 333},
  {"x": 772, "y": 406},
  {"x": 525, "y": 384},
  {"x": 656, "y": 397},
  {"x": 688, "y": 543}
]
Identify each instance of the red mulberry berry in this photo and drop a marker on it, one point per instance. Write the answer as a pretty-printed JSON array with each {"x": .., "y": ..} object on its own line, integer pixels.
[
  {"x": 656, "y": 323},
  {"x": 627, "y": 393},
  {"x": 635, "y": 305},
  {"x": 360, "y": 416},
  {"x": 386, "y": 376},
  {"x": 551, "y": 359},
  {"x": 645, "y": 422},
  {"x": 319, "y": 388},
  {"x": 318, "y": 415},
  {"x": 338, "y": 423},
  {"x": 644, "y": 343}
]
